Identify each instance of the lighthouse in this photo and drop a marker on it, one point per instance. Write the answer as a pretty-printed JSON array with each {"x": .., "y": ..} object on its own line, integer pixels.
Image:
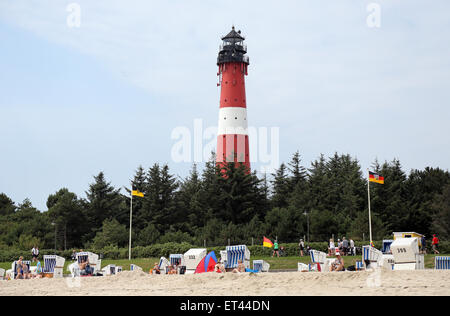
[{"x": 232, "y": 139}]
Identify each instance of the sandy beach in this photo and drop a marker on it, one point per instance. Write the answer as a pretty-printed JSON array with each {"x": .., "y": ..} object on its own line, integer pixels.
[{"x": 423, "y": 282}]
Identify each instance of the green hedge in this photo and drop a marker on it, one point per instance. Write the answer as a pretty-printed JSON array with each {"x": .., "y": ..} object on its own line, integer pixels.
[{"x": 158, "y": 250}]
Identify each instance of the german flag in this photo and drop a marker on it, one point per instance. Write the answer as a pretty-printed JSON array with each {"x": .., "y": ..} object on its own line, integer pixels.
[
  {"x": 267, "y": 243},
  {"x": 375, "y": 177}
]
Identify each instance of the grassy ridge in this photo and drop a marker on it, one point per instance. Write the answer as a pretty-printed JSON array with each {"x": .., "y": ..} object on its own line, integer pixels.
[{"x": 282, "y": 263}]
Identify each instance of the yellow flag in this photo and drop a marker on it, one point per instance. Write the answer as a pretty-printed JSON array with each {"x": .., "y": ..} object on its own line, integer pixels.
[{"x": 137, "y": 193}]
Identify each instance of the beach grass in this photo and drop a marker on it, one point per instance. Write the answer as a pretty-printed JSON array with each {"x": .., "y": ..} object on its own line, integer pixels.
[{"x": 281, "y": 263}]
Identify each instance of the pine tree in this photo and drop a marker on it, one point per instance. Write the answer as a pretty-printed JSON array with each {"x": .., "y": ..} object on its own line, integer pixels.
[
  {"x": 67, "y": 213},
  {"x": 104, "y": 202},
  {"x": 281, "y": 187}
]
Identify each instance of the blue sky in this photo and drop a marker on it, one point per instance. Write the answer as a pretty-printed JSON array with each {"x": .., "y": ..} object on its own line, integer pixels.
[{"x": 107, "y": 96}]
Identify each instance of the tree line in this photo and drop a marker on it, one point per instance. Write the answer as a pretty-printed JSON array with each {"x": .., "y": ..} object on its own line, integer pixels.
[{"x": 232, "y": 205}]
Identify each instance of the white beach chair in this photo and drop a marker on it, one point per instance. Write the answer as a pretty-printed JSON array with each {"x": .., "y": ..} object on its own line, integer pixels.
[
  {"x": 387, "y": 261},
  {"x": 54, "y": 266},
  {"x": 373, "y": 256},
  {"x": 134, "y": 267},
  {"x": 441, "y": 263},
  {"x": 164, "y": 265},
  {"x": 192, "y": 258},
  {"x": 302, "y": 267},
  {"x": 406, "y": 254},
  {"x": 261, "y": 266},
  {"x": 177, "y": 260},
  {"x": 74, "y": 269},
  {"x": 109, "y": 270},
  {"x": 2, "y": 274},
  {"x": 223, "y": 256},
  {"x": 319, "y": 259},
  {"x": 236, "y": 253},
  {"x": 94, "y": 261}
]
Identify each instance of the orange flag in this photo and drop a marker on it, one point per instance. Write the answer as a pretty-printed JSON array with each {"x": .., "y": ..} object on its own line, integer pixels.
[{"x": 267, "y": 243}]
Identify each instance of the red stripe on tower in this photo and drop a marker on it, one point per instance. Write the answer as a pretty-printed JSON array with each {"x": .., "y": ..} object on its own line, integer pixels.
[{"x": 232, "y": 139}]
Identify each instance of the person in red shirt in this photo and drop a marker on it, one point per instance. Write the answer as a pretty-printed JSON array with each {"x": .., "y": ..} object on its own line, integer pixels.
[{"x": 435, "y": 244}]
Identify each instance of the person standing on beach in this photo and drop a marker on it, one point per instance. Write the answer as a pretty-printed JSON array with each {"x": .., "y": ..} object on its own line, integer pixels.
[
  {"x": 423, "y": 243},
  {"x": 435, "y": 245},
  {"x": 301, "y": 245},
  {"x": 352, "y": 247},
  {"x": 331, "y": 248},
  {"x": 275, "y": 249},
  {"x": 35, "y": 253},
  {"x": 345, "y": 246}
]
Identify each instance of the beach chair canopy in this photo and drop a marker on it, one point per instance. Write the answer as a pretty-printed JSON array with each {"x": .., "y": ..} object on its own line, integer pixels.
[
  {"x": 236, "y": 253},
  {"x": 207, "y": 264}
]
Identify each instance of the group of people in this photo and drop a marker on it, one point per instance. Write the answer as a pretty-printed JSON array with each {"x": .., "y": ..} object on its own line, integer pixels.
[
  {"x": 23, "y": 269},
  {"x": 218, "y": 268},
  {"x": 344, "y": 247},
  {"x": 173, "y": 269},
  {"x": 24, "y": 272}
]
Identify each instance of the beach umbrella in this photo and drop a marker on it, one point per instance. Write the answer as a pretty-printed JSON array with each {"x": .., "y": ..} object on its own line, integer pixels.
[{"x": 207, "y": 264}]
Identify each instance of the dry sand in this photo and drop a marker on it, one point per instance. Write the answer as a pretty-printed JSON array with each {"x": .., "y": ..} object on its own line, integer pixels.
[{"x": 424, "y": 282}]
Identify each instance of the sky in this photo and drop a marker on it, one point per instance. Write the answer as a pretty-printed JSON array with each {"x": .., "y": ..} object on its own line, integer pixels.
[{"x": 108, "y": 93}]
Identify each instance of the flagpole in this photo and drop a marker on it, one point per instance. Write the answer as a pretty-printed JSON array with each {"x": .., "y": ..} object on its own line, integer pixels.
[
  {"x": 370, "y": 217},
  {"x": 131, "y": 222}
]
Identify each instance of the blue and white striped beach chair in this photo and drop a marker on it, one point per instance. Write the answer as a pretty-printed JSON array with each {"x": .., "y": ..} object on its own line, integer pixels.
[
  {"x": 54, "y": 266},
  {"x": 14, "y": 268},
  {"x": 176, "y": 259},
  {"x": 94, "y": 261},
  {"x": 236, "y": 253},
  {"x": 372, "y": 255},
  {"x": 442, "y": 263},
  {"x": 261, "y": 266}
]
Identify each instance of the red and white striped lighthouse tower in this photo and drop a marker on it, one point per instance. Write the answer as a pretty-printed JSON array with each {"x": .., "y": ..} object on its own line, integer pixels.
[{"x": 232, "y": 139}]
